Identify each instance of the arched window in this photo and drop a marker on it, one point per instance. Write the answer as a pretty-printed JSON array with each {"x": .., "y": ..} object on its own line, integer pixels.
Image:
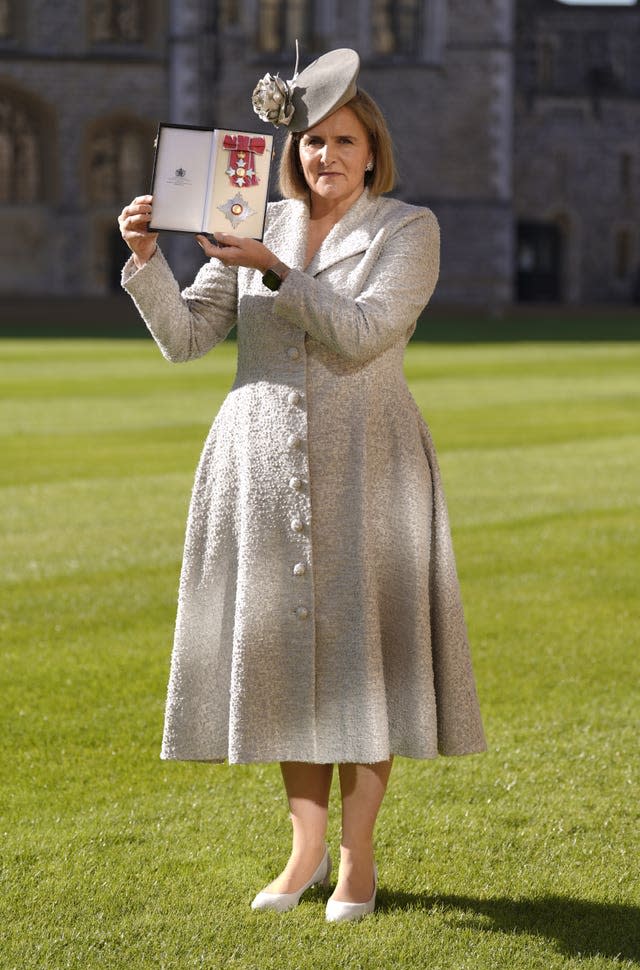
[
  {"x": 546, "y": 63},
  {"x": 403, "y": 30},
  {"x": 20, "y": 152},
  {"x": 282, "y": 22},
  {"x": 396, "y": 27},
  {"x": 626, "y": 173},
  {"x": 118, "y": 162},
  {"x": 6, "y": 20},
  {"x": 228, "y": 13},
  {"x": 599, "y": 3},
  {"x": 623, "y": 253},
  {"x": 117, "y": 21}
]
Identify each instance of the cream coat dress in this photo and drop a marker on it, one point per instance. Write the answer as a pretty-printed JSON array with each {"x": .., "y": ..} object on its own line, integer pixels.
[{"x": 319, "y": 614}]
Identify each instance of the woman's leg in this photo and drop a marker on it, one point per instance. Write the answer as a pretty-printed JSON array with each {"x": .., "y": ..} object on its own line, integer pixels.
[
  {"x": 362, "y": 788},
  {"x": 308, "y": 787}
]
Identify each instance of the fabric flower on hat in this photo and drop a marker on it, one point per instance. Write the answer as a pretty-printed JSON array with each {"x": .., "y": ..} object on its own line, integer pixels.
[
  {"x": 311, "y": 96},
  {"x": 272, "y": 100}
]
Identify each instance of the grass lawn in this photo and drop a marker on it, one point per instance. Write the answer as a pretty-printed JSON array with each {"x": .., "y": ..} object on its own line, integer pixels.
[{"x": 523, "y": 858}]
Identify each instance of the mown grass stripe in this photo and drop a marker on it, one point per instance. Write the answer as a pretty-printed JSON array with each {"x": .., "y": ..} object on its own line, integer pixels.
[{"x": 525, "y": 857}]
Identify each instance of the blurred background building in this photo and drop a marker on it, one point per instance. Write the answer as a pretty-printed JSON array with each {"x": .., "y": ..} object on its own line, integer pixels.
[{"x": 517, "y": 121}]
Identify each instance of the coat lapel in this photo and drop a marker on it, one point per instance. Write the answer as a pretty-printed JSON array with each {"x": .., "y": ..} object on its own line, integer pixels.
[
  {"x": 291, "y": 241},
  {"x": 350, "y": 236}
]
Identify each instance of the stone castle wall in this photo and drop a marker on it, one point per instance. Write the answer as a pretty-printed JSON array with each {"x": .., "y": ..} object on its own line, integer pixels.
[{"x": 500, "y": 118}]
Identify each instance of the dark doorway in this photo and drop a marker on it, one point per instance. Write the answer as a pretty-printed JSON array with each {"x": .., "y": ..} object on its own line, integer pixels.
[
  {"x": 119, "y": 253},
  {"x": 539, "y": 262}
]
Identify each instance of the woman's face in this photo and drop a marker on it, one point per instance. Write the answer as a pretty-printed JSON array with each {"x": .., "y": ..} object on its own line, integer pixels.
[{"x": 334, "y": 155}]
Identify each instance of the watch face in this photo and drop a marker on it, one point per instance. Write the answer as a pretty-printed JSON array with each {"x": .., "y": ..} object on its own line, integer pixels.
[{"x": 271, "y": 279}]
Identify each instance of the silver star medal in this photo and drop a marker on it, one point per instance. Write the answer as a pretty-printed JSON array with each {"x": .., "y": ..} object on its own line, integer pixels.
[{"x": 236, "y": 210}]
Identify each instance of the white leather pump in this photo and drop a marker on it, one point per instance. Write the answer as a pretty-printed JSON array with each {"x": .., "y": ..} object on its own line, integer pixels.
[
  {"x": 281, "y": 902},
  {"x": 338, "y": 912}
]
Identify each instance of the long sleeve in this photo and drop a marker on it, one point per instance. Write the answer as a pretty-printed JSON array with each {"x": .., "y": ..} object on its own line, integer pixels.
[
  {"x": 392, "y": 297},
  {"x": 184, "y": 325}
]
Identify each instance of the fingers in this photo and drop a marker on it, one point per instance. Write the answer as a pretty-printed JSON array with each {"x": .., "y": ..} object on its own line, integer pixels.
[
  {"x": 205, "y": 242},
  {"x": 141, "y": 212},
  {"x": 134, "y": 223},
  {"x": 227, "y": 239},
  {"x": 136, "y": 216},
  {"x": 221, "y": 240},
  {"x": 141, "y": 205},
  {"x": 205, "y": 245},
  {"x": 134, "y": 226},
  {"x": 229, "y": 252},
  {"x": 235, "y": 250}
]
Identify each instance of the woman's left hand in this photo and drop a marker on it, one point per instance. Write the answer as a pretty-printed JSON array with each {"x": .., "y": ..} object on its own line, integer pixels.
[{"x": 236, "y": 251}]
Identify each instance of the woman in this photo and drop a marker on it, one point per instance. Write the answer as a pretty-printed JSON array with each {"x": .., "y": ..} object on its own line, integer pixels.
[{"x": 319, "y": 618}]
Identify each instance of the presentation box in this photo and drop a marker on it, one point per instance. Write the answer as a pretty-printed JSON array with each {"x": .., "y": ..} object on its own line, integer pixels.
[{"x": 208, "y": 180}]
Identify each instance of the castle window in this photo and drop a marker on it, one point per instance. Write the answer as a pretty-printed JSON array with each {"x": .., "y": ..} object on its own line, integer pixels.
[
  {"x": 229, "y": 13},
  {"x": 116, "y": 21},
  {"x": 118, "y": 164},
  {"x": 626, "y": 172},
  {"x": 623, "y": 246},
  {"x": 6, "y": 20},
  {"x": 598, "y": 3},
  {"x": 546, "y": 64},
  {"x": 20, "y": 154},
  {"x": 562, "y": 172},
  {"x": 396, "y": 27},
  {"x": 282, "y": 22}
]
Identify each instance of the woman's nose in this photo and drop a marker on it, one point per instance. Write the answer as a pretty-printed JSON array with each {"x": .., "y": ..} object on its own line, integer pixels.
[{"x": 325, "y": 155}]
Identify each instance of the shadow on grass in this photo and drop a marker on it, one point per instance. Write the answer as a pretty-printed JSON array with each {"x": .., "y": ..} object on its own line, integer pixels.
[
  {"x": 115, "y": 316},
  {"x": 524, "y": 327},
  {"x": 578, "y": 927}
]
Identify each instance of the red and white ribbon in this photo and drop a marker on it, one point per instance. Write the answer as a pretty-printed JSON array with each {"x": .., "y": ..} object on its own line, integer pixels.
[{"x": 242, "y": 163}]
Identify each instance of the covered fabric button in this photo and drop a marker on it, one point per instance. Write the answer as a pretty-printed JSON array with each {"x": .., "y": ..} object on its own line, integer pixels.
[
  {"x": 302, "y": 612},
  {"x": 293, "y": 353},
  {"x": 297, "y": 525},
  {"x": 295, "y": 483},
  {"x": 294, "y": 397},
  {"x": 293, "y": 441},
  {"x": 299, "y": 569}
]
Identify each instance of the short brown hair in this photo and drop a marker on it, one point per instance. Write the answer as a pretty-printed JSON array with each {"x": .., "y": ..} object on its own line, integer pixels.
[{"x": 382, "y": 179}]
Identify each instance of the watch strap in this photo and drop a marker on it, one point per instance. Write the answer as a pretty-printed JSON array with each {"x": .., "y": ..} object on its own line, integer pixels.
[{"x": 274, "y": 275}]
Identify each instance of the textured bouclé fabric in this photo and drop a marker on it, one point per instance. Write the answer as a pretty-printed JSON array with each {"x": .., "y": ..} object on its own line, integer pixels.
[{"x": 319, "y": 614}]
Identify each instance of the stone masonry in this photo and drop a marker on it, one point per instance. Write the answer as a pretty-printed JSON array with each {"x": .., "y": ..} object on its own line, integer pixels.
[{"x": 501, "y": 114}]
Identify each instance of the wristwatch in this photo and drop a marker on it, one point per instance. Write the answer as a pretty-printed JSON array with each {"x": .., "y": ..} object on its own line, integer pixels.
[{"x": 274, "y": 276}]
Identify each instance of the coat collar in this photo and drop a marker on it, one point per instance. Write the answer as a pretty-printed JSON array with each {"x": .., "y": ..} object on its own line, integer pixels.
[{"x": 350, "y": 236}]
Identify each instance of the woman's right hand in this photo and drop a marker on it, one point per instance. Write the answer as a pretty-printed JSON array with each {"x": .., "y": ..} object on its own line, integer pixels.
[{"x": 133, "y": 222}]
